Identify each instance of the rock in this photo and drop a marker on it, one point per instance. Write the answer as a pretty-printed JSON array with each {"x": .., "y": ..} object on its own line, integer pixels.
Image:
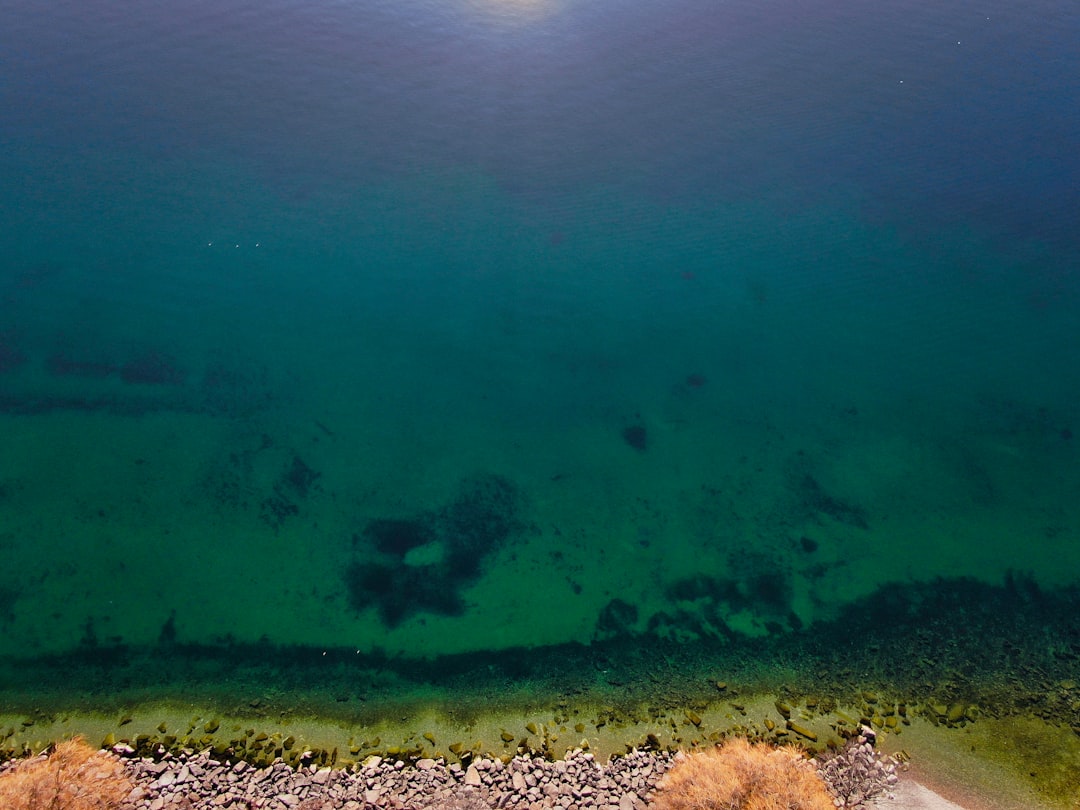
[
  {"x": 955, "y": 713},
  {"x": 194, "y": 781},
  {"x": 802, "y": 731},
  {"x": 137, "y": 794},
  {"x": 164, "y": 780}
]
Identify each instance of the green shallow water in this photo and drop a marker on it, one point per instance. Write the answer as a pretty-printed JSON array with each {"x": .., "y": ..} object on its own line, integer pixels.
[
  {"x": 595, "y": 358},
  {"x": 457, "y": 462},
  {"x": 707, "y": 447}
]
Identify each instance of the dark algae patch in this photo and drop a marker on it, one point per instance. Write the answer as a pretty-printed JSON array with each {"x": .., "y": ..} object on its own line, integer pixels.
[
  {"x": 382, "y": 572},
  {"x": 637, "y": 437},
  {"x": 820, "y": 502},
  {"x": 294, "y": 485}
]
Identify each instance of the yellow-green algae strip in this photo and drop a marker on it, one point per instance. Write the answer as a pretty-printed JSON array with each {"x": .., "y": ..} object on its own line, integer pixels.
[{"x": 1015, "y": 761}]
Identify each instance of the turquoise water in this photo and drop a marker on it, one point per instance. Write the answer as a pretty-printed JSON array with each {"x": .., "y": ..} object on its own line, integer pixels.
[{"x": 454, "y": 328}]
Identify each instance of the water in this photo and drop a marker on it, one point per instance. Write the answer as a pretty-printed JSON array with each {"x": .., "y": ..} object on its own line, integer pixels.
[{"x": 433, "y": 329}]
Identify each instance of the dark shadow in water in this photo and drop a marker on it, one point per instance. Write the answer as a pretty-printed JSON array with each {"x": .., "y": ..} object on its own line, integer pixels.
[
  {"x": 1003, "y": 646},
  {"x": 8, "y": 597},
  {"x": 381, "y": 573},
  {"x": 699, "y": 605},
  {"x": 152, "y": 382}
]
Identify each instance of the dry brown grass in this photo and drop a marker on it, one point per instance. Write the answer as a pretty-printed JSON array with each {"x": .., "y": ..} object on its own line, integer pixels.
[
  {"x": 743, "y": 776},
  {"x": 73, "y": 777}
]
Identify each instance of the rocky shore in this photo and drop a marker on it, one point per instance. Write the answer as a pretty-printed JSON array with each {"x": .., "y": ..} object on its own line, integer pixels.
[{"x": 197, "y": 782}]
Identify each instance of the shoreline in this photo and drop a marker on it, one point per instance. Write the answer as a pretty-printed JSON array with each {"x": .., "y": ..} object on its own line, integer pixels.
[
  {"x": 981, "y": 677},
  {"x": 979, "y": 765},
  {"x": 192, "y": 780}
]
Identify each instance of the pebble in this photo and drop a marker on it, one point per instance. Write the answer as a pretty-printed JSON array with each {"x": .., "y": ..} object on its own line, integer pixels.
[
  {"x": 166, "y": 779},
  {"x": 196, "y": 781}
]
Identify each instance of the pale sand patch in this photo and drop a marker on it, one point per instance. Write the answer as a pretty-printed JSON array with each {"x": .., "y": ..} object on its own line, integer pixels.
[{"x": 1015, "y": 763}]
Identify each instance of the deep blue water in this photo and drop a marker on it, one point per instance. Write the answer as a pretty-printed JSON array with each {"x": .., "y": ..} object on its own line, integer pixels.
[{"x": 439, "y": 327}]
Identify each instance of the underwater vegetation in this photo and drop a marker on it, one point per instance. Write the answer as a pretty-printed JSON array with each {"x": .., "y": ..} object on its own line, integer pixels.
[
  {"x": 421, "y": 563},
  {"x": 8, "y": 596},
  {"x": 294, "y": 484},
  {"x": 637, "y": 437},
  {"x": 766, "y": 593},
  {"x": 617, "y": 618},
  {"x": 148, "y": 368},
  {"x": 153, "y": 368},
  {"x": 816, "y": 499},
  {"x": 10, "y": 355},
  {"x": 152, "y": 380}
]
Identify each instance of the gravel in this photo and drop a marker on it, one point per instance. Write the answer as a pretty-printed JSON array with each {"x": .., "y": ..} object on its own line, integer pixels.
[{"x": 195, "y": 781}]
